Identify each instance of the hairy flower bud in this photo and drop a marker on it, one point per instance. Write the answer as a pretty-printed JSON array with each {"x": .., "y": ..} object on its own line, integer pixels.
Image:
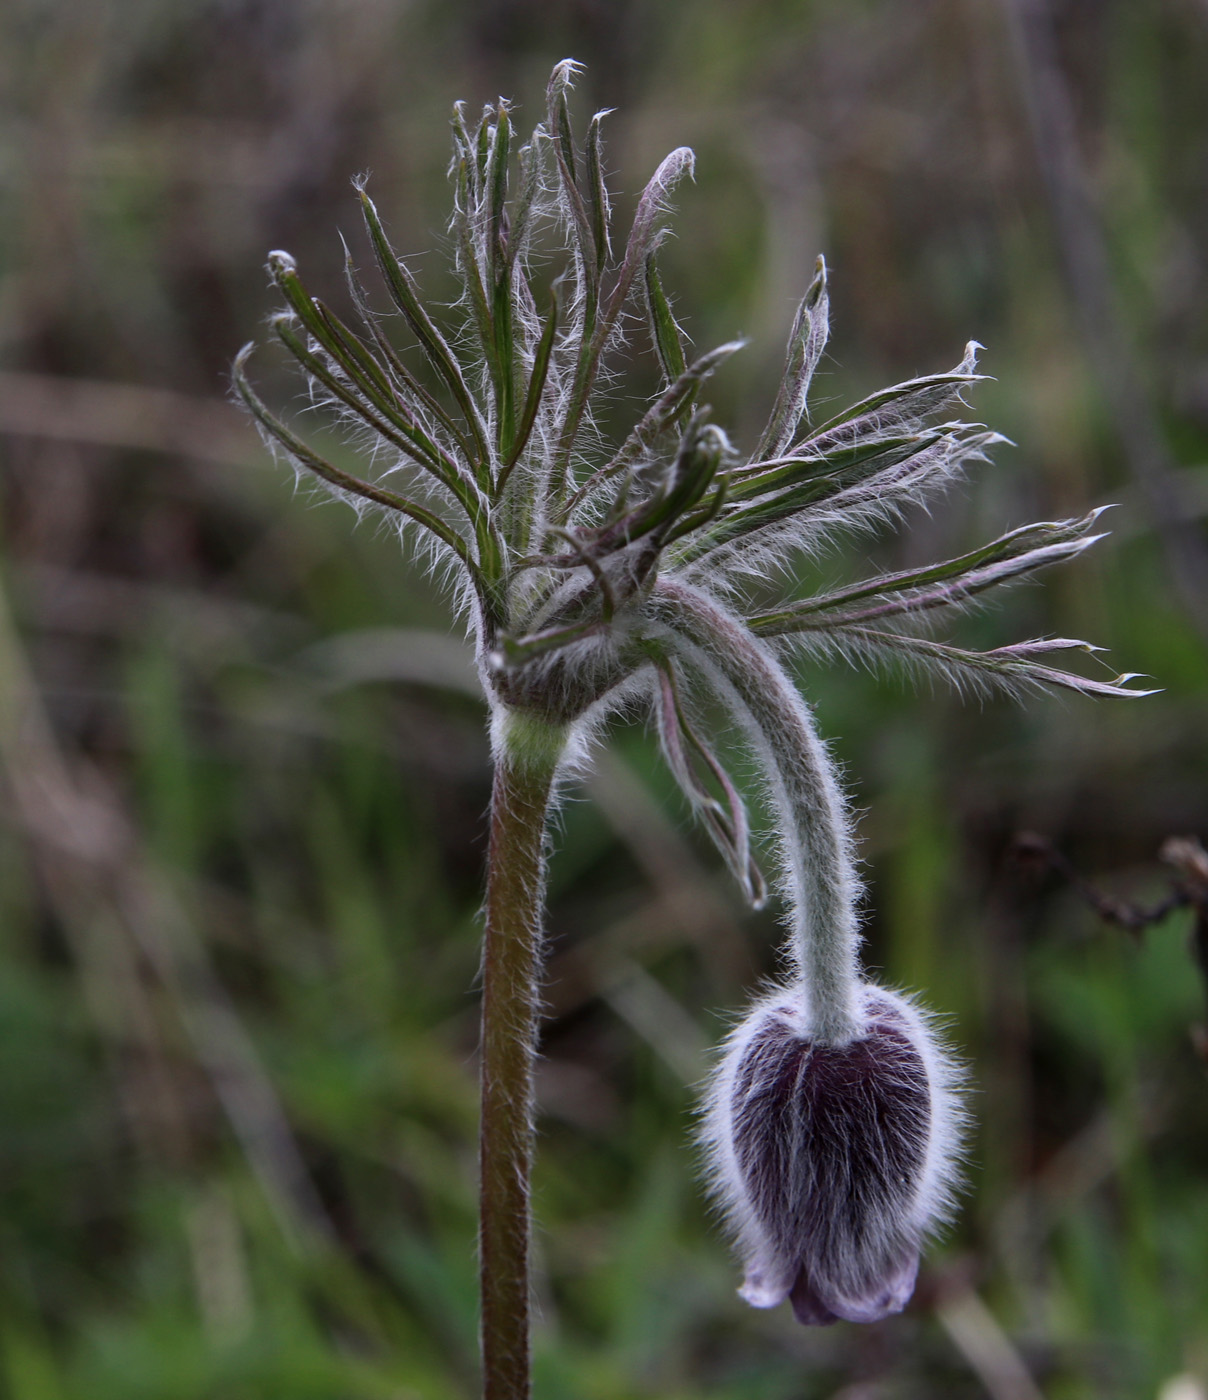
[{"x": 833, "y": 1162}]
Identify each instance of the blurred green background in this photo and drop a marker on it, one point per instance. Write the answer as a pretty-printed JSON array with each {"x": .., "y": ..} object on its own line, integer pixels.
[{"x": 241, "y": 858}]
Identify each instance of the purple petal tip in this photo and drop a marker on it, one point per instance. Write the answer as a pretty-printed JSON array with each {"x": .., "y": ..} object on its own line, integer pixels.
[{"x": 885, "y": 1297}]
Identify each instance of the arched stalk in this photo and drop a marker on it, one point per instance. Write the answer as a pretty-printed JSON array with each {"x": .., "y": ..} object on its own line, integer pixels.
[{"x": 817, "y": 870}]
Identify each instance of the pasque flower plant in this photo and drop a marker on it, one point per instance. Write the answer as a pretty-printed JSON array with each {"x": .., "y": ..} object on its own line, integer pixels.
[{"x": 595, "y": 575}]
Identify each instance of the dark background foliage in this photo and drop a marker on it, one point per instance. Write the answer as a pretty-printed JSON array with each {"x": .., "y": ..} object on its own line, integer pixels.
[{"x": 240, "y": 865}]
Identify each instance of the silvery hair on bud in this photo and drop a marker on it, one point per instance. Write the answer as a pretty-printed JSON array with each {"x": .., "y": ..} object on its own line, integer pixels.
[{"x": 833, "y": 1163}]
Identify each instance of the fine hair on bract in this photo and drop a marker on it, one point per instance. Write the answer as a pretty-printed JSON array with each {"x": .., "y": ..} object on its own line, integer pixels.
[{"x": 594, "y": 574}]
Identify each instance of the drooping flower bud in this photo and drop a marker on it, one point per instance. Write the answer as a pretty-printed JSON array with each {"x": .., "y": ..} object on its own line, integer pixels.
[{"x": 833, "y": 1162}]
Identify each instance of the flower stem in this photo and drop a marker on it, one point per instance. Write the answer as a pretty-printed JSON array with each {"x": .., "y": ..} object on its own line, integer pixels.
[
  {"x": 527, "y": 756},
  {"x": 818, "y": 873}
]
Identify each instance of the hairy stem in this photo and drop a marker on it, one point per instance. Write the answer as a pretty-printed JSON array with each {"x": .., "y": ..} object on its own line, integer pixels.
[
  {"x": 527, "y": 756},
  {"x": 818, "y": 875}
]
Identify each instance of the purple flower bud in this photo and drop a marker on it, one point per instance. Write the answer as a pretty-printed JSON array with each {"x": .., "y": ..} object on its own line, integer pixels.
[{"x": 833, "y": 1162}]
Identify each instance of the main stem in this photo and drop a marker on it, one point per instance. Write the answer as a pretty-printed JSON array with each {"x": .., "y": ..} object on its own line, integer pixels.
[{"x": 527, "y": 755}]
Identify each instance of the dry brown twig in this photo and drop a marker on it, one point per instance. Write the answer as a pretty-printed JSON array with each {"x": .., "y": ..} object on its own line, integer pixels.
[{"x": 1184, "y": 855}]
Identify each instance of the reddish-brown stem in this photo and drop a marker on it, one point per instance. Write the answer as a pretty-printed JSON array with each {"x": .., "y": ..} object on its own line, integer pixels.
[{"x": 527, "y": 760}]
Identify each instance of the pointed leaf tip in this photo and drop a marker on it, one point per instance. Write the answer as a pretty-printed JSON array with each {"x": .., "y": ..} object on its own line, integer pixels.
[
  {"x": 1080, "y": 545},
  {"x": 1125, "y": 678},
  {"x": 1038, "y": 646},
  {"x": 564, "y": 72},
  {"x": 817, "y": 287},
  {"x": 281, "y": 264},
  {"x": 684, "y": 158}
]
